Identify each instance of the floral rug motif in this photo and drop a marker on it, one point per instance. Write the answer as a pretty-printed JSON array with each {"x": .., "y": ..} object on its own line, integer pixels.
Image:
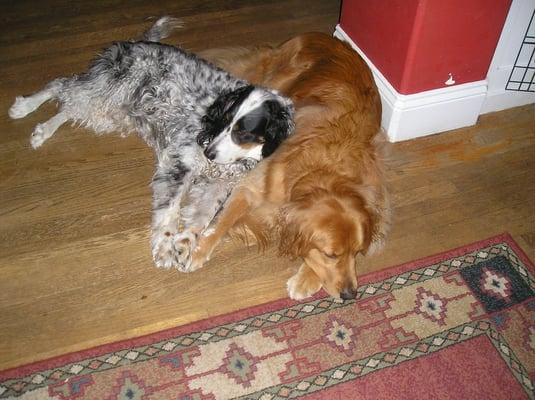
[{"x": 459, "y": 325}]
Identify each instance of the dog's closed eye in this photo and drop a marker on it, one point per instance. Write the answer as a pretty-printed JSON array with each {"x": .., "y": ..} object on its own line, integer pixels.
[
  {"x": 330, "y": 255},
  {"x": 245, "y": 137}
]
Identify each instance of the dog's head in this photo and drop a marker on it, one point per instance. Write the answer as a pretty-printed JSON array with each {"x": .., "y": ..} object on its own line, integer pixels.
[
  {"x": 327, "y": 230},
  {"x": 249, "y": 122}
]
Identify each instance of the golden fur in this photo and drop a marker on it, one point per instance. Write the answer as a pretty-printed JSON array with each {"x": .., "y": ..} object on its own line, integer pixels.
[{"x": 321, "y": 194}]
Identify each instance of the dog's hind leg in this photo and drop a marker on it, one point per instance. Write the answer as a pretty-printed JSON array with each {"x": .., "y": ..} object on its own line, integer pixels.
[
  {"x": 24, "y": 105},
  {"x": 44, "y": 131}
]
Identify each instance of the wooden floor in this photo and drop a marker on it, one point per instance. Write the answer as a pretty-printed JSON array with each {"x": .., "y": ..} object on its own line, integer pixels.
[{"x": 75, "y": 264}]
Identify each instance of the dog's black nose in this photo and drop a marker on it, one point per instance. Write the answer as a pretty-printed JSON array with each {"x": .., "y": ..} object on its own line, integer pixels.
[
  {"x": 209, "y": 153},
  {"x": 348, "y": 294}
]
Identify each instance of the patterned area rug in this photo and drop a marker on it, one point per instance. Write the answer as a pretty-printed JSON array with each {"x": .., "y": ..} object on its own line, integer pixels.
[{"x": 459, "y": 325}]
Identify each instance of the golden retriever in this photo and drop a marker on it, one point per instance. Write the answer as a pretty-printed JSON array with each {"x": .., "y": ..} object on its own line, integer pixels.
[{"x": 321, "y": 194}]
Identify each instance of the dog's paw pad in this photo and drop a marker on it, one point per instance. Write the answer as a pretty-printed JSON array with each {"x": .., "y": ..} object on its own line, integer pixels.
[{"x": 20, "y": 108}]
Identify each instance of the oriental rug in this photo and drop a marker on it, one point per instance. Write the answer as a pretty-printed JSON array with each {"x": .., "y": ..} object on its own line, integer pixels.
[{"x": 458, "y": 325}]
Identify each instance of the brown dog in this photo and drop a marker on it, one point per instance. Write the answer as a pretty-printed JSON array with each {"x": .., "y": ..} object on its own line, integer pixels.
[{"x": 322, "y": 191}]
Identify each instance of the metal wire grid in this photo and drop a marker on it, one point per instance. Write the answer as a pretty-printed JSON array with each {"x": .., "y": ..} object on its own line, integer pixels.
[{"x": 522, "y": 77}]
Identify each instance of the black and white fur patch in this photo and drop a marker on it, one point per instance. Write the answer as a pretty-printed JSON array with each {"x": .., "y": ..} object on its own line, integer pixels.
[{"x": 253, "y": 126}]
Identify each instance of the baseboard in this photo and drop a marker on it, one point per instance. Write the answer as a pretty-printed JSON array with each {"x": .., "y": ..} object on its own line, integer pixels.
[
  {"x": 425, "y": 113},
  {"x": 501, "y": 100}
]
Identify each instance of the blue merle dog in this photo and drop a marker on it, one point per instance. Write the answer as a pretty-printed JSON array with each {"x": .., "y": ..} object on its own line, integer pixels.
[{"x": 206, "y": 127}]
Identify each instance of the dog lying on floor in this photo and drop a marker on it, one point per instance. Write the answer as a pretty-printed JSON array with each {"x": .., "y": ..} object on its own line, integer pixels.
[
  {"x": 322, "y": 193},
  {"x": 175, "y": 101}
]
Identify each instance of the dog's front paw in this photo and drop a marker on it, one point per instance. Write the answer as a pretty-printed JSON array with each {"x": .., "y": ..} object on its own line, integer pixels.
[
  {"x": 300, "y": 288},
  {"x": 202, "y": 251},
  {"x": 20, "y": 108},
  {"x": 174, "y": 250},
  {"x": 185, "y": 242},
  {"x": 164, "y": 252},
  {"x": 197, "y": 259}
]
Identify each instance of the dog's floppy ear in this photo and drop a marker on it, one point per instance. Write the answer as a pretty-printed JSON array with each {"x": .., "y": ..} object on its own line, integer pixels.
[
  {"x": 376, "y": 202},
  {"x": 220, "y": 113},
  {"x": 279, "y": 126}
]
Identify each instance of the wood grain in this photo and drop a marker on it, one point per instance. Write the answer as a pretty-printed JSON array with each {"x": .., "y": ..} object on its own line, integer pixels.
[{"x": 75, "y": 264}]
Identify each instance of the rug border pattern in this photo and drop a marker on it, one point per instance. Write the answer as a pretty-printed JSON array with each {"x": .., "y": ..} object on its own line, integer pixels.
[{"x": 359, "y": 368}]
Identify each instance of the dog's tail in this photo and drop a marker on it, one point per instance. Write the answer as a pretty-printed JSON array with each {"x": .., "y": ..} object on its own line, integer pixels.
[{"x": 162, "y": 28}]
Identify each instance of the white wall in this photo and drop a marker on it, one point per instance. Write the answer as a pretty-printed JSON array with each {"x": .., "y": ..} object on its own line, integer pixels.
[{"x": 502, "y": 63}]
